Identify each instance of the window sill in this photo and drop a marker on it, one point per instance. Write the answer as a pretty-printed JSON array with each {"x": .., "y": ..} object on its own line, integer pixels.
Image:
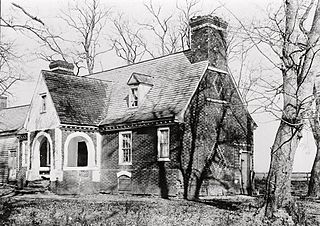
[
  {"x": 125, "y": 163},
  {"x": 80, "y": 168},
  {"x": 164, "y": 159}
]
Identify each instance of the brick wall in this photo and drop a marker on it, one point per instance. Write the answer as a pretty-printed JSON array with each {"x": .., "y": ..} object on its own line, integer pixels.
[
  {"x": 149, "y": 176},
  {"x": 208, "y": 122}
]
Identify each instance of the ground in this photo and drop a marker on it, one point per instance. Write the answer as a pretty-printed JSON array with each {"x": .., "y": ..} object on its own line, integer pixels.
[{"x": 50, "y": 209}]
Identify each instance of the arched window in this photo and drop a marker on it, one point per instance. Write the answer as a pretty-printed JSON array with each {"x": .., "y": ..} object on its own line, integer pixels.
[{"x": 79, "y": 150}]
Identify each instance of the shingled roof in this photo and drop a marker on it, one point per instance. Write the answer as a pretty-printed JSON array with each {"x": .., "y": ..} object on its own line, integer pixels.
[
  {"x": 174, "y": 79},
  {"x": 78, "y": 100},
  {"x": 12, "y": 119}
]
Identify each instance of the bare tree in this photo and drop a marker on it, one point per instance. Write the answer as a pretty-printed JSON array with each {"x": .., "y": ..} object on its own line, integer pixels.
[
  {"x": 10, "y": 72},
  {"x": 294, "y": 47},
  {"x": 128, "y": 42},
  {"x": 86, "y": 21}
]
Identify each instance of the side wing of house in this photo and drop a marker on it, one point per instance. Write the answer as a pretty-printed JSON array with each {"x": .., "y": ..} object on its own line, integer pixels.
[
  {"x": 8, "y": 157},
  {"x": 217, "y": 130}
]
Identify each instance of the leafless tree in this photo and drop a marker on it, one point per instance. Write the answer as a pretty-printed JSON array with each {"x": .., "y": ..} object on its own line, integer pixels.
[
  {"x": 128, "y": 42},
  {"x": 10, "y": 72},
  {"x": 292, "y": 47},
  {"x": 86, "y": 21}
]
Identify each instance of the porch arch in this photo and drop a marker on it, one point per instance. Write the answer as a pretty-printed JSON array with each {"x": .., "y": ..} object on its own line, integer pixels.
[
  {"x": 79, "y": 151},
  {"x": 42, "y": 154}
]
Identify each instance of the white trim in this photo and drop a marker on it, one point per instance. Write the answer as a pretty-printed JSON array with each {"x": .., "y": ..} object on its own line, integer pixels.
[
  {"x": 90, "y": 147},
  {"x": 217, "y": 101},
  {"x": 120, "y": 148},
  {"x": 35, "y": 157},
  {"x": 99, "y": 148},
  {"x": 208, "y": 24},
  {"x": 62, "y": 69},
  {"x": 217, "y": 70},
  {"x": 58, "y": 148},
  {"x": 131, "y": 87},
  {"x": 124, "y": 173},
  {"x": 180, "y": 116},
  {"x": 158, "y": 144}
]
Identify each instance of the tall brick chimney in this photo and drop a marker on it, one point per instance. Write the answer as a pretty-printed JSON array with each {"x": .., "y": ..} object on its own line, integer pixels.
[
  {"x": 61, "y": 67},
  {"x": 3, "y": 102},
  {"x": 208, "y": 40}
]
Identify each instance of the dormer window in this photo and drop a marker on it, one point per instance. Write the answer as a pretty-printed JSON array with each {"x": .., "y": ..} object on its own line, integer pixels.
[
  {"x": 134, "y": 97},
  {"x": 139, "y": 85},
  {"x": 43, "y": 103}
]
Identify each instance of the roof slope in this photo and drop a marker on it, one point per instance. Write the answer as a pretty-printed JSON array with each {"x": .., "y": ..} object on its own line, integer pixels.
[
  {"x": 174, "y": 81},
  {"x": 77, "y": 100},
  {"x": 12, "y": 119}
]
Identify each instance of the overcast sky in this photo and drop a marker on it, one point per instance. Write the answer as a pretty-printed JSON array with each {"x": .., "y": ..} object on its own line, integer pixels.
[{"x": 246, "y": 10}]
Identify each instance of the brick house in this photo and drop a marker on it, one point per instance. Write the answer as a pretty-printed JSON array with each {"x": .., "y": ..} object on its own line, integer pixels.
[{"x": 162, "y": 126}]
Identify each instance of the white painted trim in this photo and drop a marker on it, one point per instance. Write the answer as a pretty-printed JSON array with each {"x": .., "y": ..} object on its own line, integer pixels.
[
  {"x": 180, "y": 116},
  {"x": 99, "y": 149},
  {"x": 120, "y": 148},
  {"x": 124, "y": 173},
  {"x": 158, "y": 143},
  {"x": 217, "y": 101},
  {"x": 35, "y": 150},
  {"x": 58, "y": 148},
  {"x": 217, "y": 70},
  {"x": 62, "y": 69},
  {"x": 91, "y": 151},
  {"x": 207, "y": 25}
]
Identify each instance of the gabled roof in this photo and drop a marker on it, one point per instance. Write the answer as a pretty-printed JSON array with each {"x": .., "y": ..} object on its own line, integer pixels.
[
  {"x": 175, "y": 79},
  {"x": 12, "y": 119},
  {"x": 137, "y": 78},
  {"x": 78, "y": 100}
]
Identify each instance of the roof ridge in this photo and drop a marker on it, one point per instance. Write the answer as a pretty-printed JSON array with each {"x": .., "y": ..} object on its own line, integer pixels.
[
  {"x": 128, "y": 65},
  {"x": 83, "y": 77}
]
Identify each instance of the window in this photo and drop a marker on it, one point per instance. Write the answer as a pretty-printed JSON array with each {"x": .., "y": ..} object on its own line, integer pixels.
[
  {"x": 125, "y": 148},
  {"x": 24, "y": 153},
  {"x": 43, "y": 103},
  {"x": 134, "y": 97},
  {"x": 163, "y": 144}
]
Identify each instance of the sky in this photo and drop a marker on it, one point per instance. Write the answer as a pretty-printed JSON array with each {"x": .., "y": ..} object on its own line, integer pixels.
[{"x": 245, "y": 10}]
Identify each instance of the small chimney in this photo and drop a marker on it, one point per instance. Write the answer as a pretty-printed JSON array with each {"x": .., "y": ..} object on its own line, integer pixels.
[
  {"x": 208, "y": 40},
  {"x": 61, "y": 67},
  {"x": 3, "y": 102}
]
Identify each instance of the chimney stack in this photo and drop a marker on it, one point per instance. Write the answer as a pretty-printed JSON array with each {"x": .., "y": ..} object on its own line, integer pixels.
[
  {"x": 208, "y": 40},
  {"x": 3, "y": 102},
  {"x": 61, "y": 67}
]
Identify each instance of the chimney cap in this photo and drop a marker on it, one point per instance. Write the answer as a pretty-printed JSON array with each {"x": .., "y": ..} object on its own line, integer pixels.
[
  {"x": 207, "y": 20},
  {"x": 60, "y": 66}
]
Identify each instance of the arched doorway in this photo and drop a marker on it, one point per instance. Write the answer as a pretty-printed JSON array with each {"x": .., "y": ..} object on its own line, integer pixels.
[
  {"x": 41, "y": 156},
  {"x": 45, "y": 158}
]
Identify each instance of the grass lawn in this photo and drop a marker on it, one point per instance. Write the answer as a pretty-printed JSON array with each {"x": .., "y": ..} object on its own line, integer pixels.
[{"x": 126, "y": 210}]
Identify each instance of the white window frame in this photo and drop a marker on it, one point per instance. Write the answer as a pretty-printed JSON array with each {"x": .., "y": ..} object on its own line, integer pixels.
[
  {"x": 44, "y": 100},
  {"x": 131, "y": 97},
  {"x": 121, "y": 154},
  {"x": 161, "y": 158}
]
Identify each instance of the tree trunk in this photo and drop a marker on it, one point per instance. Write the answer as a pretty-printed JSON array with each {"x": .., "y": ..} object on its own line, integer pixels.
[
  {"x": 282, "y": 156},
  {"x": 314, "y": 183}
]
